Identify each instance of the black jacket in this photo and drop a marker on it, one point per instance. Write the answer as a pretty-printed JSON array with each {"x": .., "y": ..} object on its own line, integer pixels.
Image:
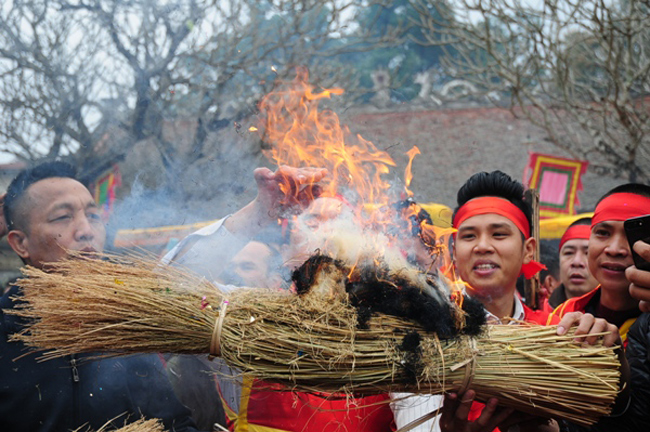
[
  {"x": 67, "y": 393},
  {"x": 557, "y": 297},
  {"x": 637, "y": 416}
]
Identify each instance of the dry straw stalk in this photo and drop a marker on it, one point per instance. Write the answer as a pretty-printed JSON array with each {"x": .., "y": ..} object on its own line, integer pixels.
[
  {"x": 309, "y": 343},
  {"x": 141, "y": 425}
]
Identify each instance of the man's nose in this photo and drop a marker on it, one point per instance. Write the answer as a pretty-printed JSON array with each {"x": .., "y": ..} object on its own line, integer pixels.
[
  {"x": 483, "y": 244},
  {"x": 84, "y": 229},
  {"x": 618, "y": 245},
  {"x": 579, "y": 260}
]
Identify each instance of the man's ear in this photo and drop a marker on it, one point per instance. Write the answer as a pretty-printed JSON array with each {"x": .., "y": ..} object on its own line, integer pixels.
[
  {"x": 19, "y": 243},
  {"x": 529, "y": 249},
  {"x": 550, "y": 283}
]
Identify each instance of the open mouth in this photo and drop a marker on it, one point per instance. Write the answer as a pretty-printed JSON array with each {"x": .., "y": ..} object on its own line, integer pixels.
[{"x": 484, "y": 268}]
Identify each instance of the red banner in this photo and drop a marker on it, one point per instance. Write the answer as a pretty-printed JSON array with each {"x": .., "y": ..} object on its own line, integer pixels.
[{"x": 558, "y": 181}]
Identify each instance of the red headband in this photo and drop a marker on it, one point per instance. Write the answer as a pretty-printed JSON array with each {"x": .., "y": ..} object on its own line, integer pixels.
[
  {"x": 621, "y": 206},
  {"x": 502, "y": 207},
  {"x": 580, "y": 232},
  {"x": 491, "y": 204}
]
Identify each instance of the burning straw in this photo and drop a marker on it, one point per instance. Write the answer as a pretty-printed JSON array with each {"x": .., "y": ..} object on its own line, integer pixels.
[{"x": 310, "y": 342}]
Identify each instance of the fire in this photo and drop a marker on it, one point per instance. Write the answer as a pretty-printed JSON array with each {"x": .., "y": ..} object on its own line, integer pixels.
[
  {"x": 300, "y": 134},
  {"x": 408, "y": 175}
]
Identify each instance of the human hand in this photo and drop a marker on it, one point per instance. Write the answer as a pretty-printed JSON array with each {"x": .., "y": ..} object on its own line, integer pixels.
[
  {"x": 285, "y": 188},
  {"x": 640, "y": 279},
  {"x": 455, "y": 411},
  {"x": 587, "y": 325}
]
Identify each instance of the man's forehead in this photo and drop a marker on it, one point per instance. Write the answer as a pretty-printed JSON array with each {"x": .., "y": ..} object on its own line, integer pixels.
[
  {"x": 608, "y": 224},
  {"x": 51, "y": 191},
  {"x": 575, "y": 243},
  {"x": 491, "y": 220}
]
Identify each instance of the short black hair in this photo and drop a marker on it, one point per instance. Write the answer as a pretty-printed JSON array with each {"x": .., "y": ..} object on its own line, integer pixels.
[
  {"x": 634, "y": 188},
  {"x": 548, "y": 255},
  {"x": 19, "y": 185},
  {"x": 581, "y": 221},
  {"x": 498, "y": 184}
]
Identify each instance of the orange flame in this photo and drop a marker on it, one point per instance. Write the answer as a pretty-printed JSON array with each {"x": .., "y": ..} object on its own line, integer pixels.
[
  {"x": 300, "y": 135},
  {"x": 408, "y": 175}
]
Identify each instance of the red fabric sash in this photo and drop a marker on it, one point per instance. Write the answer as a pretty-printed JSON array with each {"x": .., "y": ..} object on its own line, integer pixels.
[
  {"x": 621, "y": 206},
  {"x": 502, "y": 207},
  {"x": 581, "y": 232}
]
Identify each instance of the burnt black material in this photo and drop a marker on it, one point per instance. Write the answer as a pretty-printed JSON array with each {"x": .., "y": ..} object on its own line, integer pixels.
[
  {"x": 304, "y": 276},
  {"x": 476, "y": 318},
  {"x": 412, "y": 355},
  {"x": 373, "y": 289}
]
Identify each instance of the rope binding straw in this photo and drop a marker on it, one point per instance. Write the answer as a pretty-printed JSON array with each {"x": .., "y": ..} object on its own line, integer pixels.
[
  {"x": 215, "y": 341},
  {"x": 470, "y": 367}
]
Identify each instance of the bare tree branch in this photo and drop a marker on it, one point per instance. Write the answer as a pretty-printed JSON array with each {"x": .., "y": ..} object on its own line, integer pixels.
[{"x": 577, "y": 68}]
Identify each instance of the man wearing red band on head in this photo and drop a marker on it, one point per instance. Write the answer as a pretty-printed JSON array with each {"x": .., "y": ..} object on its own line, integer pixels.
[
  {"x": 575, "y": 278},
  {"x": 492, "y": 247},
  {"x": 609, "y": 256}
]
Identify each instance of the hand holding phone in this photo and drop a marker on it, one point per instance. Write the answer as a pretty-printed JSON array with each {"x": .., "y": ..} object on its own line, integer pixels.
[{"x": 638, "y": 229}]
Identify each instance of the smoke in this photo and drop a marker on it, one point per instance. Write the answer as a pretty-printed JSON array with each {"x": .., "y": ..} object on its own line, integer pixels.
[
  {"x": 189, "y": 189},
  {"x": 345, "y": 237}
]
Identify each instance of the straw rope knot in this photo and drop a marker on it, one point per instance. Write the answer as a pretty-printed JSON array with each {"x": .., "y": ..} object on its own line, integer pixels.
[
  {"x": 470, "y": 368},
  {"x": 215, "y": 341},
  {"x": 469, "y": 364}
]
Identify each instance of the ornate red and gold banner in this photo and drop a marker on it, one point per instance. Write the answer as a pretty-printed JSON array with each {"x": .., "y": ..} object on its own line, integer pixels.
[{"x": 558, "y": 181}]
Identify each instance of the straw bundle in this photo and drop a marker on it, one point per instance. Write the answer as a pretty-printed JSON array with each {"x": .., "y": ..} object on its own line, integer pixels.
[
  {"x": 310, "y": 343},
  {"x": 142, "y": 425}
]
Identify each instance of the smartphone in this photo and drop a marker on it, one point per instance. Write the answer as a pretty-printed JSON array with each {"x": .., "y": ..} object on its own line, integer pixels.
[{"x": 638, "y": 229}]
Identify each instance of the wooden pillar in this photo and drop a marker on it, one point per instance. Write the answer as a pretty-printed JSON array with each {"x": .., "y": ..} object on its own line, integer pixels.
[{"x": 531, "y": 286}]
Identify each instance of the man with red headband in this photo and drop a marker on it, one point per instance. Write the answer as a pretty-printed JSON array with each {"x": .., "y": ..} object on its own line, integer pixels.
[
  {"x": 609, "y": 257},
  {"x": 575, "y": 278},
  {"x": 492, "y": 247}
]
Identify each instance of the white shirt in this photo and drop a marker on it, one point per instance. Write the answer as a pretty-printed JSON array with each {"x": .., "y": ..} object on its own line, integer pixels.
[
  {"x": 408, "y": 407},
  {"x": 214, "y": 246}
]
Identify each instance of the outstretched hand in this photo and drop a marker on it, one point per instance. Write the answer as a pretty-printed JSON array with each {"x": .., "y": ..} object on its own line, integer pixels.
[
  {"x": 285, "y": 188},
  {"x": 278, "y": 192}
]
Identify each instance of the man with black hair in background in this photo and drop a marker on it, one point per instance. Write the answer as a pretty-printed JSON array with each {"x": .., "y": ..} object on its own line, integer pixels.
[
  {"x": 48, "y": 212},
  {"x": 575, "y": 278},
  {"x": 549, "y": 278}
]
